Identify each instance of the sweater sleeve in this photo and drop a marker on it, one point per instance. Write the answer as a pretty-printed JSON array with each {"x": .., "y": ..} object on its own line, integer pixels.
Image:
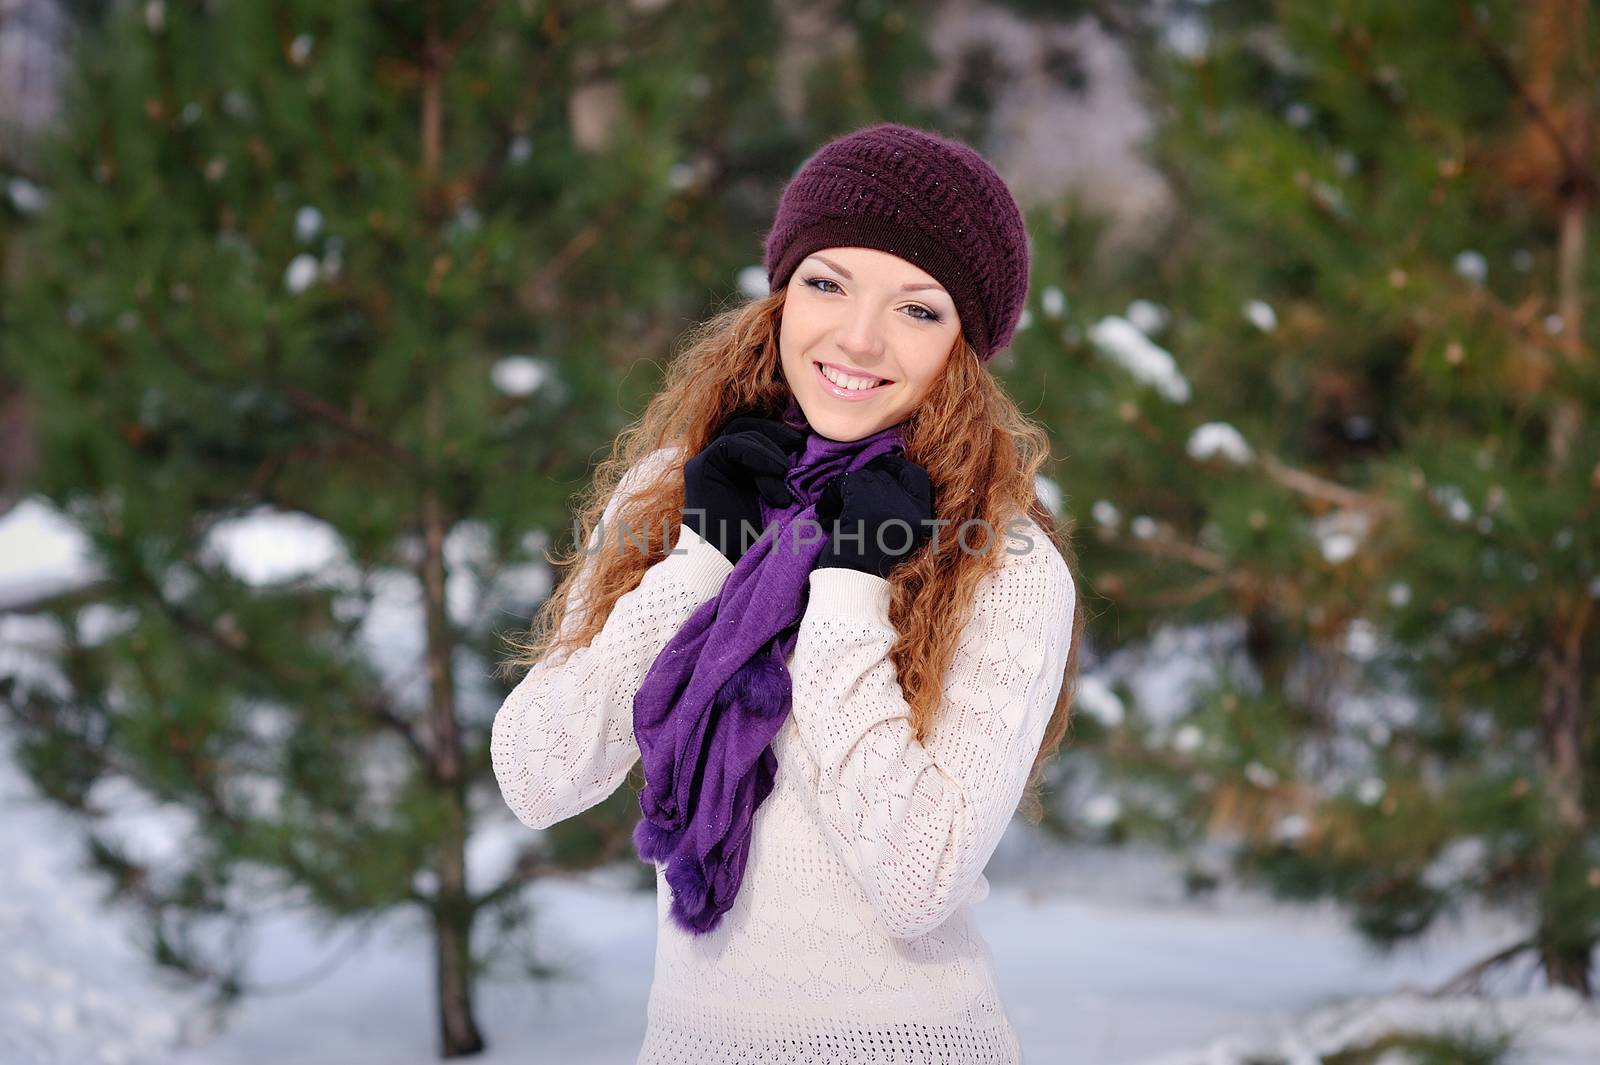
[
  {"x": 916, "y": 821},
  {"x": 563, "y": 738}
]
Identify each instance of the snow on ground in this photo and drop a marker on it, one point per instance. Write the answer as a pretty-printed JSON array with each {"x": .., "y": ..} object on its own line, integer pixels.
[
  {"x": 1556, "y": 1027},
  {"x": 1100, "y": 963},
  {"x": 1101, "y": 960},
  {"x": 74, "y": 986}
]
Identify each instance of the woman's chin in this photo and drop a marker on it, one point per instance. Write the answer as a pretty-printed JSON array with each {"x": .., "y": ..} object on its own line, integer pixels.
[
  {"x": 841, "y": 426},
  {"x": 842, "y": 429}
]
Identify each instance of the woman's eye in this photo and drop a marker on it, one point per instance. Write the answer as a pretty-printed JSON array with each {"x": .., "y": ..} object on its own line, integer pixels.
[{"x": 925, "y": 314}]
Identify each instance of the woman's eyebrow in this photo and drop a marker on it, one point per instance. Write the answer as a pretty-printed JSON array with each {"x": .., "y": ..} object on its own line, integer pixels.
[{"x": 913, "y": 287}]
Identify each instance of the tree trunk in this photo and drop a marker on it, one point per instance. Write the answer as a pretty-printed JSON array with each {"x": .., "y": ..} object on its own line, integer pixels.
[
  {"x": 458, "y": 1028},
  {"x": 1561, "y": 713},
  {"x": 452, "y": 921},
  {"x": 1559, "y": 80}
]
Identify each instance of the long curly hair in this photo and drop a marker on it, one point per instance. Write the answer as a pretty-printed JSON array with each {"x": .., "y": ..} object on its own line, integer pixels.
[{"x": 981, "y": 453}]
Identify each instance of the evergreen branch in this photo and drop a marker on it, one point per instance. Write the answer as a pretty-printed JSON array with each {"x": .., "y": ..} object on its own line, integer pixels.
[
  {"x": 1309, "y": 484},
  {"x": 1188, "y": 595},
  {"x": 534, "y": 293},
  {"x": 1129, "y": 751},
  {"x": 463, "y": 33},
  {"x": 300, "y": 399},
  {"x": 281, "y": 673},
  {"x": 1517, "y": 322},
  {"x": 342, "y": 170},
  {"x": 490, "y": 170},
  {"x": 1296, "y": 480},
  {"x": 1358, "y": 55},
  {"x": 1195, "y": 555},
  {"x": 363, "y": 933},
  {"x": 136, "y": 886},
  {"x": 323, "y": 411},
  {"x": 64, "y": 597},
  {"x": 131, "y": 878},
  {"x": 1471, "y": 977},
  {"x": 532, "y": 865},
  {"x": 1574, "y": 173}
]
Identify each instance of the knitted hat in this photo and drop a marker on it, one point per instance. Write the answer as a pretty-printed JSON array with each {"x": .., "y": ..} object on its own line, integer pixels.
[{"x": 932, "y": 201}]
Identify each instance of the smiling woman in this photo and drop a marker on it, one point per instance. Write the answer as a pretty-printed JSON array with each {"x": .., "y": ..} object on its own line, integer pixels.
[
  {"x": 834, "y": 733},
  {"x": 865, "y": 335}
]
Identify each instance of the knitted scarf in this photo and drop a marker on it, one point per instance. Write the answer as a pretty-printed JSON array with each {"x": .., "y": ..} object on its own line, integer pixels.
[{"x": 715, "y": 697}]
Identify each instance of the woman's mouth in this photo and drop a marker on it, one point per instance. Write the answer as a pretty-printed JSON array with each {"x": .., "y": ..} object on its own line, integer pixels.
[{"x": 839, "y": 391}]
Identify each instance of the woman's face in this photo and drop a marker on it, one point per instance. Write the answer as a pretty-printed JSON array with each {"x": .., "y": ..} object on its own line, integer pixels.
[{"x": 863, "y": 313}]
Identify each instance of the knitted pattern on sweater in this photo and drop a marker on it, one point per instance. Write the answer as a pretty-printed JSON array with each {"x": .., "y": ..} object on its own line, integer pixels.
[{"x": 852, "y": 938}]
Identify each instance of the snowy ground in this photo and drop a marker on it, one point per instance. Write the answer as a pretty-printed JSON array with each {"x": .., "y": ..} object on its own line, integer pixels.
[
  {"x": 1099, "y": 965},
  {"x": 1101, "y": 961}
]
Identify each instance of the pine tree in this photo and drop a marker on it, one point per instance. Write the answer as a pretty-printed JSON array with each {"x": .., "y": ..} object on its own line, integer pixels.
[
  {"x": 386, "y": 269},
  {"x": 1351, "y": 416}
]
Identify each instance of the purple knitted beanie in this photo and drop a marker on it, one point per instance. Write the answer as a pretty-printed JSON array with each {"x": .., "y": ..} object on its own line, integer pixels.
[{"x": 931, "y": 200}]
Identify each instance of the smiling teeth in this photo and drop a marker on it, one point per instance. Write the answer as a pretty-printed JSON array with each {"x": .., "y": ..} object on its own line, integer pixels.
[{"x": 843, "y": 381}]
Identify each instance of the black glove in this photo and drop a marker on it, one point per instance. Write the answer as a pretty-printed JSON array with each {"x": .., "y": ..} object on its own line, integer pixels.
[
  {"x": 876, "y": 516},
  {"x": 750, "y": 455}
]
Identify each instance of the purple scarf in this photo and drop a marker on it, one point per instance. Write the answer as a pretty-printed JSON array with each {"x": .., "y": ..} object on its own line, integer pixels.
[{"x": 714, "y": 699}]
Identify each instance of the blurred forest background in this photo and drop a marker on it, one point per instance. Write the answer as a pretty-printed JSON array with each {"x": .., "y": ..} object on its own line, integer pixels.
[{"x": 314, "y": 317}]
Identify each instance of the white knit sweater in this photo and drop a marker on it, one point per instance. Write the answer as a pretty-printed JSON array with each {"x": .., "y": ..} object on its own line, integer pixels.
[{"x": 851, "y": 938}]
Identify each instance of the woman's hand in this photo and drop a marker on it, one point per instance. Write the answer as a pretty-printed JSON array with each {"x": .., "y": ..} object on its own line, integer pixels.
[
  {"x": 876, "y": 516},
  {"x": 750, "y": 455}
]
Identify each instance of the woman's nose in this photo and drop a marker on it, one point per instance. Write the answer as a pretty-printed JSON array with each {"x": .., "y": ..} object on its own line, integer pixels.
[{"x": 860, "y": 334}]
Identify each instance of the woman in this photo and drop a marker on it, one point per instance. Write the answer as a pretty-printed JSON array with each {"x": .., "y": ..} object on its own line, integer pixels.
[{"x": 858, "y": 650}]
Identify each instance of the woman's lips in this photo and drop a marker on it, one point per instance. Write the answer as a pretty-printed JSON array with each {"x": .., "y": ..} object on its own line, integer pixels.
[{"x": 847, "y": 394}]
